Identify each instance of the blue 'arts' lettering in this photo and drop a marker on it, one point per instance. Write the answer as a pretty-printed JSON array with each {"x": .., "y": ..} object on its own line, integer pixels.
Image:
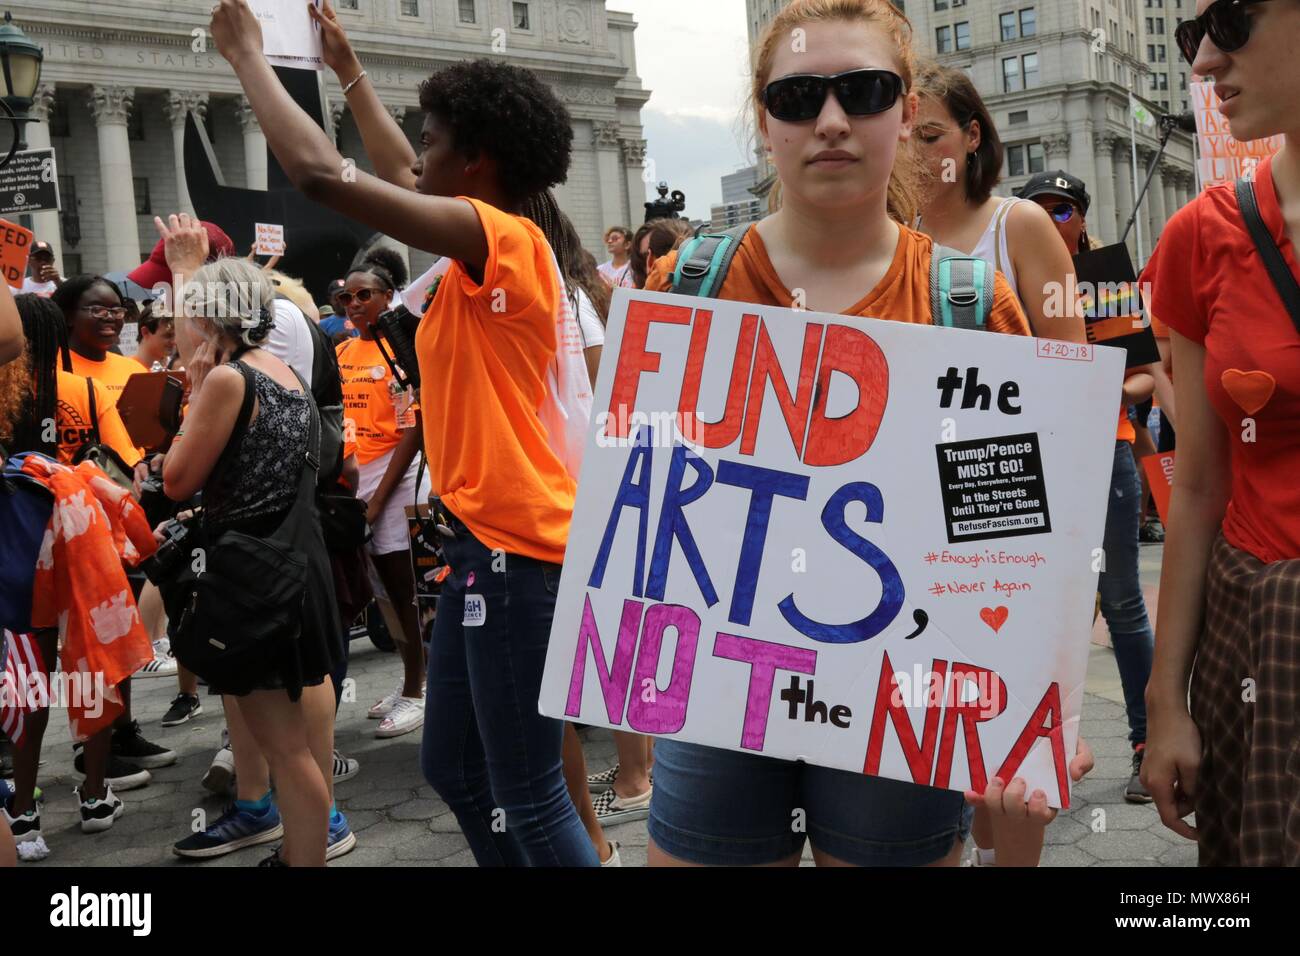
[
  {"x": 633, "y": 492},
  {"x": 891, "y": 585},
  {"x": 673, "y": 524}
]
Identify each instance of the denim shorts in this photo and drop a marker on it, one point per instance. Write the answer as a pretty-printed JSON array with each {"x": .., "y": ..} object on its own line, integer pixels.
[{"x": 726, "y": 808}]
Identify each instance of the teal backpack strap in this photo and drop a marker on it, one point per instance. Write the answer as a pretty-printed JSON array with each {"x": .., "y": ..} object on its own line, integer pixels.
[
  {"x": 961, "y": 289},
  {"x": 703, "y": 261}
]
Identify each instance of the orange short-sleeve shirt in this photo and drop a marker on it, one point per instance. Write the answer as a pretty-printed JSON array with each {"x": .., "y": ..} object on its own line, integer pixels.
[
  {"x": 73, "y": 420},
  {"x": 902, "y": 295},
  {"x": 484, "y": 349},
  {"x": 112, "y": 372},
  {"x": 370, "y": 425}
]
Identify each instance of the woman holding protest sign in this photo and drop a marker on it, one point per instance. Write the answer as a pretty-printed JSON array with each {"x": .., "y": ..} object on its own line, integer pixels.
[
  {"x": 849, "y": 181},
  {"x": 1223, "y": 693},
  {"x": 493, "y": 136}
]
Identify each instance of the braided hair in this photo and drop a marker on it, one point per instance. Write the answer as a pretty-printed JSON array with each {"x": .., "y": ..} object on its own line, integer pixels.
[
  {"x": 577, "y": 266},
  {"x": 47, "y": 350}
]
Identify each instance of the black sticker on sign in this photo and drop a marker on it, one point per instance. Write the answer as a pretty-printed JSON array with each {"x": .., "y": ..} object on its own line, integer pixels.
[{"x": 993, "y": 488}]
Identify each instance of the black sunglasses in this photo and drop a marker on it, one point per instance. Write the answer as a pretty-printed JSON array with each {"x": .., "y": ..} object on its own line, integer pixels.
[
  {"x": 797, "y": 99},
  {"x": 1225, "y": 21}
]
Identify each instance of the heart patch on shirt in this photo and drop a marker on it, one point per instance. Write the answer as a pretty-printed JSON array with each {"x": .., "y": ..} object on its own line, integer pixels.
[{"x": 1250, "y": 390}]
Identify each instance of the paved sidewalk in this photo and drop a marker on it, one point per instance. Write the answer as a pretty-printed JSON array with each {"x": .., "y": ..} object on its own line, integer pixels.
[{"x": 398, "y": 820}]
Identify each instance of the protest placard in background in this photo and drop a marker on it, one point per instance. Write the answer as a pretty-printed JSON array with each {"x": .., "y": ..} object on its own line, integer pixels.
[
  {"x": 15, "y": 246},
  {"x": 881, "y": 534},
  {"x": 269, "y": 239},
  {"x": 1112, "y": 306},
  {"x": 289, "y": 38},
  {"x": 1224, "y": 159},
  {"x": 1159, "y": 470}
]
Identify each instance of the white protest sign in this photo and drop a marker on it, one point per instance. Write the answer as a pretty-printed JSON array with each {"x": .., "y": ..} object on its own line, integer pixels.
[
  {"x": 1224, "y": 159},
  {"x": 269, "y": 239},
  {"x": 289, "y": 37},
  {"x": 879, "y": 551}
]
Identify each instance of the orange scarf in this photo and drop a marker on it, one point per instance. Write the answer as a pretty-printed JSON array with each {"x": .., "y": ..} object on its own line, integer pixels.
[{"x": 81, "y": 587}]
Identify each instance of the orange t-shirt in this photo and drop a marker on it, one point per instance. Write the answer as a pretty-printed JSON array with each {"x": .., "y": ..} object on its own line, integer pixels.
[
  {"x": 370, "y": 426},
  {"x": 112, "y": 372},
  {"x": 484, "y": 350},
  {"x": 73, "y": 421},
  {"x": 1210, "y": 286},
  {"x": 902, "y": 295}
]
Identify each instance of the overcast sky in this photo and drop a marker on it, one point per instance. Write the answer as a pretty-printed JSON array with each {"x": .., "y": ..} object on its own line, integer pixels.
[{"x": 693, "y": 55}]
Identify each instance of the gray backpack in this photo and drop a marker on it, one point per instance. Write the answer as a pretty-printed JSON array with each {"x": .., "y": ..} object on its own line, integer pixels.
[{"x": 961, "y": 286}]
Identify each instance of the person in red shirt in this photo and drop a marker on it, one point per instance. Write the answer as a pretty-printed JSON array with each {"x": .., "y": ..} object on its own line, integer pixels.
[{"x": 1223, "y": 693}]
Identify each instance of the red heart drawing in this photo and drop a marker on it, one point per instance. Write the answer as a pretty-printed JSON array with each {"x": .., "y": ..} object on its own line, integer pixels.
[
  {"x": 994, "y": 617},
  {"x": 1250, "y": 390}
]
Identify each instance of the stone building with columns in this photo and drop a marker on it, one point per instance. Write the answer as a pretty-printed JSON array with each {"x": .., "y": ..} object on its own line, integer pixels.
[
  {"x": 1056, "y": 77},
  {"x": 116, "y": 87}
]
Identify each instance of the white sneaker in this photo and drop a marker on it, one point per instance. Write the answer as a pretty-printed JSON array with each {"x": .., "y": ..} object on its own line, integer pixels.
[
  {"x": 221, "y": 775},
  {"x": 98, "y": 815},
  {"x": 345, "y": 768},
  {"x": 407, "y": 715},
  {"x": 162, "y": 665},
  {"x": 614, "y": 858},
  {"x": 384, "y": 706}
]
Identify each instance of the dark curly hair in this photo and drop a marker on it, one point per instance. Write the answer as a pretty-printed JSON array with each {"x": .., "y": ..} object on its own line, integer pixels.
[
  {"x": 386, "y": 265},
  {"x": 509, "y": 114}
]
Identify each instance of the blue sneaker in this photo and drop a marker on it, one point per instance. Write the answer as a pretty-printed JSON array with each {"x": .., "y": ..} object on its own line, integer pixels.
[
  {"x": 235, "y": 830},
  {"x": 342, "y": 839}
]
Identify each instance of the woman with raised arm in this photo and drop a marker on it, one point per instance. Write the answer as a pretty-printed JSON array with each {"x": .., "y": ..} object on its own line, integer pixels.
[{"x": 493, "y": 136}]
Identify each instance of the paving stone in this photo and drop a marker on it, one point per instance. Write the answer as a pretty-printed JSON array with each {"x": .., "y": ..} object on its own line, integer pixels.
[
  {"x": 416, "y": 809},
  {"x": 1130, "y": 816},
  {"x": 379, "y": 799},
  {"x": 1063, "y": 830},
  {"x": 366, "y": 856},
  {"x": 1065, "y": 856},
  {"x": 1116, "y": 845}
]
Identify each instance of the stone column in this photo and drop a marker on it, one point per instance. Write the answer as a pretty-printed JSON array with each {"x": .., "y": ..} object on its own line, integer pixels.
[
  {"x": 609, "y": 173},
  {"x": 336, "y": 119},
  {"x": 45, "y": 224},
  {"x": 1102, "y": 220},
  {"x": 634, "y": 163},
  {"x": 1172, "y": 205},
  {"x": 1056, "y": 146},
  {"x": 1124, "y": 195},
  {"x": 178, "y": 106},
  {"x": 254, "y": 146},
  {"x": 1081, "y": 163},
  {"x": 110, "y": 106}
]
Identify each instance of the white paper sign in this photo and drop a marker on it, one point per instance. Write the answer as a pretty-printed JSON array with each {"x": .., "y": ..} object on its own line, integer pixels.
[
  {"x": 289, "y": 37},
  {"x": 878, "y": 551},
  {"x": 269, "y": 240},
  {"x": 1223, "y": 158}
]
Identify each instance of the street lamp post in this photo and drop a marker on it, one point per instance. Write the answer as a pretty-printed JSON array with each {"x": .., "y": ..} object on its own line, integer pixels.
[{"x": 20, "y": 74}]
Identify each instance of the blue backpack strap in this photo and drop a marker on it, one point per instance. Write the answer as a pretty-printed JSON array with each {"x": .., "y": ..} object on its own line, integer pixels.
[
  {"x": 961, "y": 289},
  {"x": 703, "y": 261}
]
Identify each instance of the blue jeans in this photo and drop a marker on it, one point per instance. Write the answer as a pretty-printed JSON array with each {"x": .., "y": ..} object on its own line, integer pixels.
[
  {"x": 486, "y": 750},
  {"x": 1122, "y": 603}
]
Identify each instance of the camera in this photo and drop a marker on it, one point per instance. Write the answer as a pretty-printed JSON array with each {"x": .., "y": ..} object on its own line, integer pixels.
[
  {"x": 163, "y": 565},
  {"x": 396, "y": 328},
  {"x": 666, "y": 207},
  {"x": 157, "y": 507}
]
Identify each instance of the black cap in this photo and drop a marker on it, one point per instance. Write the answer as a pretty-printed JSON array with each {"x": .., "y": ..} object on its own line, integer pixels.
[
  {"x": 1057, "y": 182},
  {"x": 41, "y": 248},
  {"x": 335, "y": 287}
]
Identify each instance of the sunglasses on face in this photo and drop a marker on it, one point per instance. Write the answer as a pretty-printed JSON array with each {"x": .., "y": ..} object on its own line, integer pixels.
[
  {"x": 797, "y": 99},
  {"x": 361, "y": 295},
  {"x": 1062, "y": 212},
  {"x": 1226, "y": 22},
  {"x": 102, "y": 312}
]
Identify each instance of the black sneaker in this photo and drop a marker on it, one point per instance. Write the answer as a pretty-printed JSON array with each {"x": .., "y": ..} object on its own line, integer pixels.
[
  {"x": 1151, "y": 533},
  {"x": 6, "y": 758},
  {"x": 1135, "y": 792},
  {"x": 26, "y": 827},
  {"x": 98, "y": 815},
  {"x": 273, "y": 859},
  {"x": 130, "y": 744},
  {"x": 182, "y": 709},
  {"x": 121, "y": 774}
]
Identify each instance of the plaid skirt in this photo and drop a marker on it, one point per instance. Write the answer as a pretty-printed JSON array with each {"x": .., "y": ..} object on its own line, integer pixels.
[{"x": 1245, "y": 700}]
